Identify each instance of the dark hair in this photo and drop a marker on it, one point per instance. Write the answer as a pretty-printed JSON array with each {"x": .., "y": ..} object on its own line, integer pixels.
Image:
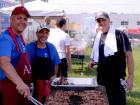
[{"x": 61, "y": 22}]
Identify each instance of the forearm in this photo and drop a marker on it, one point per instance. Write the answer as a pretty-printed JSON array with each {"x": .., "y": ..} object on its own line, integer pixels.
[
  {"x": 56, "y": 69},
  {"x": 130, "y": 64},
  {"x": 12, "y": 75},
  {"x": 68, "y": 54},
  {"x": 10, "y": 72},
  {"x": 69, "y": 58}
]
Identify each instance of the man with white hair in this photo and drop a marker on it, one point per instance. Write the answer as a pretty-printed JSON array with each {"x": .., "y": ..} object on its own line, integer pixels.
[{"x": 111, "y": 51}]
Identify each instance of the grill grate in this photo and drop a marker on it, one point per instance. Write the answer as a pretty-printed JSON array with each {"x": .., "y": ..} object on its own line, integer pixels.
[{"x": 78, "y": 96}]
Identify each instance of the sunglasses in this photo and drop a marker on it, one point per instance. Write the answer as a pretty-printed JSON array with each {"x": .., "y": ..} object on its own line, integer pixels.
[{"x": 100, "y": 20}]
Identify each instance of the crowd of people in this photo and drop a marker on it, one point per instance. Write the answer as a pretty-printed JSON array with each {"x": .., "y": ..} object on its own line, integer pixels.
[{"x": 48, "y": 57}]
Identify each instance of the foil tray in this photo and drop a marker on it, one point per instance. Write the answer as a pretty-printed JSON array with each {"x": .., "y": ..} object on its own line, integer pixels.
[{"x": 76, "y": 82}]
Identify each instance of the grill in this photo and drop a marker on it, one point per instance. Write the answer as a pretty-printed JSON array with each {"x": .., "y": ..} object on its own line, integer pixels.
[{"x": 78, "y": 94}]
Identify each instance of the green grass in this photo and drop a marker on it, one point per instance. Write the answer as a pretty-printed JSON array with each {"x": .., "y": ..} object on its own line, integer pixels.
[{"x": 133, "y": 97}]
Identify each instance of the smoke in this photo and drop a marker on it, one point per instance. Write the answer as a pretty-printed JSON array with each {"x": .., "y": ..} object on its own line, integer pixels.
[
  {"x": 85, "y": 38},
  {"x": 29, "y": 33}
]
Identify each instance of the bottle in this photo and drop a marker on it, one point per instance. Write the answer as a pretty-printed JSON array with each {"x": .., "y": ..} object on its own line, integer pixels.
[
  {"x": 31, "y": 85},
  {"x": 124, "y": 84}
]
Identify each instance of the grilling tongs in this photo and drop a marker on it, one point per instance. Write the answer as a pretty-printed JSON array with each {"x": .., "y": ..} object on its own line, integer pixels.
[{"x": 34, "y": 101}]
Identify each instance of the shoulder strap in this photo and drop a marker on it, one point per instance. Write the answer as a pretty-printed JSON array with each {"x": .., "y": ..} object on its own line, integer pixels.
[
  {"x": 49, "y": 53},
  {"x": 35, "y": 50},
  {"x": 13, "y": 35},
  {"x": 120, "y": 40},
  {"x": 48, "y": 50}
]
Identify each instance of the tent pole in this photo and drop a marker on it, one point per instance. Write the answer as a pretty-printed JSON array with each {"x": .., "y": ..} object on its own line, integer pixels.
[{"x": 22, "y": 2}]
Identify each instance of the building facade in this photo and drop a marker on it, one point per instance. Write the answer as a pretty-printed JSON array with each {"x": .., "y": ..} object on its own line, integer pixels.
[{"x": 131, "y": 21}]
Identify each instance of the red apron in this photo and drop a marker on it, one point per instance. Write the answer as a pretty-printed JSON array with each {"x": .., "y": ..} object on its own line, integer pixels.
[
  {"x": 23, "y": 68},
  {"x": 44, "y": 89}
]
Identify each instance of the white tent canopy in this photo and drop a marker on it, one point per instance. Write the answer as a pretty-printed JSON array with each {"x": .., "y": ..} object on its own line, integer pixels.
[
  {"x": 92, "y": 6},
  {"x": 37, "y": 8}
]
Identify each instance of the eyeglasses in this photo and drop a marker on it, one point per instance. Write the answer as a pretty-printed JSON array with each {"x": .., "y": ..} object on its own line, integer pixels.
[{"x": 100, "y": 20}]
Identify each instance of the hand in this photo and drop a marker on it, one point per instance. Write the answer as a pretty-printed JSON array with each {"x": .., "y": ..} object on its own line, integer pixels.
[
  {"x": 90, "y": 65},
  {"x": 23, "y": 89},
  {"x": 52, "y": 77},
  {"x": 129, "y": 83}
]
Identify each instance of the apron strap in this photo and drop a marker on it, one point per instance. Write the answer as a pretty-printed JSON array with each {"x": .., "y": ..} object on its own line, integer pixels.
[
  {"x": 13, "y": 35},
  {"x": 35, "y": 48},
  {"x": 48, "y": 50}
]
